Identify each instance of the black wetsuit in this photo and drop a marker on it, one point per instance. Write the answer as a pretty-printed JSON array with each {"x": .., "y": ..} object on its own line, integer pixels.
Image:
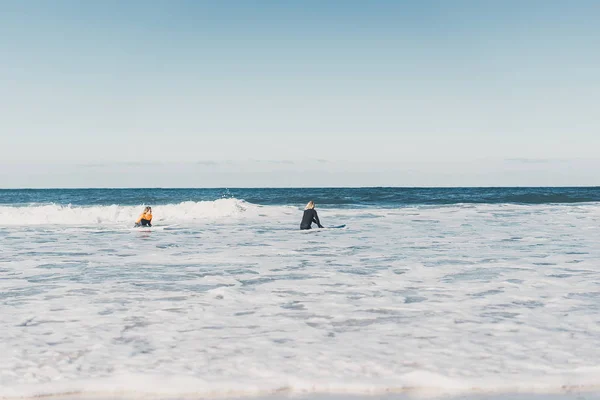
[
  {"x": 308, "y": 218},
  {"x": 144, "y": 222}
]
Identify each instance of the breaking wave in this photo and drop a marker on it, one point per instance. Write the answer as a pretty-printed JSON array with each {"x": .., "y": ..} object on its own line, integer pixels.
[{"x": 54, "y": 214}]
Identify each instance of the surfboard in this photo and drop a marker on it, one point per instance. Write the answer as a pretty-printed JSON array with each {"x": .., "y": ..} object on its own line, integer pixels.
[
  {"x": 152, "y": 228},
  {"x": 323, "y": 229}
]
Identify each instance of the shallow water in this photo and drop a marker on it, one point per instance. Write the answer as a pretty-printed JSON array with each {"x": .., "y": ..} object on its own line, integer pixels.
[{"x": 234, "y": 301}]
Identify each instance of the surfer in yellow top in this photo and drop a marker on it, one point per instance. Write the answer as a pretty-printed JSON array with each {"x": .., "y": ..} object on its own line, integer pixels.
[{"x": 145, "y": 218}]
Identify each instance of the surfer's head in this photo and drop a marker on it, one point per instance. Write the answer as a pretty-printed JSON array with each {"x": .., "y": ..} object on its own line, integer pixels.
[{"x": 310, "y": 205}]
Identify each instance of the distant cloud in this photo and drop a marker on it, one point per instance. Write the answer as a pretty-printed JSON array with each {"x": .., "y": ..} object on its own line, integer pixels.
[
  {"x": 536, "y": 160},
  {"x": 141, "y": 163},
  {"x": 118, "y": 164},
  {"x": 284, "y": 162},
  {"x": 289, "y": 162},
  {"x": 214, "y": 163},
  {"x": 91, "y": 165}
]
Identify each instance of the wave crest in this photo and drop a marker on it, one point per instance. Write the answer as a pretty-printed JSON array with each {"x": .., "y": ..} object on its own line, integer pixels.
[{"x": 54, "y": 214}]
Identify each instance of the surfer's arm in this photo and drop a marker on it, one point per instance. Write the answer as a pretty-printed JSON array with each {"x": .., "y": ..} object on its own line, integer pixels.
[{"x": 316, "y": 220}]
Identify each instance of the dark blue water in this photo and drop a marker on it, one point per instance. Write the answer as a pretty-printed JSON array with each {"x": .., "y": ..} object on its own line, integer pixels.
[{"x": 324, "y": 197}]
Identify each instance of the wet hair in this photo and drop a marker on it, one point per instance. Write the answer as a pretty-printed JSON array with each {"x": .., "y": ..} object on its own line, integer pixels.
[{"x": 310, "y": 205}]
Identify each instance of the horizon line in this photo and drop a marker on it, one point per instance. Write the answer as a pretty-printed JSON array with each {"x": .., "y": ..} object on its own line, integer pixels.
[{"x": 301, "y": 187}]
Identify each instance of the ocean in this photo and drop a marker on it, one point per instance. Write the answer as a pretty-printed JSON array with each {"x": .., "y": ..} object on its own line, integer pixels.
[{"x": 443, "y": 292}]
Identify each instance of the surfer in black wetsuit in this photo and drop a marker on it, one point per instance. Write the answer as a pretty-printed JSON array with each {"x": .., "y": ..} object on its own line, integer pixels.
[{"x": 310, "y": 216}]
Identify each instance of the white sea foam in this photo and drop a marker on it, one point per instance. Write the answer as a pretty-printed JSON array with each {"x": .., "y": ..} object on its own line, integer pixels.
[
  {"x": 435, "y": 300},
  {"x": 52, "y": 214}
]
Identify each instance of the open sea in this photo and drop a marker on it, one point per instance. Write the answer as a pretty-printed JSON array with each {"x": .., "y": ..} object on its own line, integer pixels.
[{"x": 467, "y": 292}]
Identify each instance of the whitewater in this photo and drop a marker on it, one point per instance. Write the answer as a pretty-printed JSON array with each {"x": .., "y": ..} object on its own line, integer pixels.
[{"x": 232, "y": 300}]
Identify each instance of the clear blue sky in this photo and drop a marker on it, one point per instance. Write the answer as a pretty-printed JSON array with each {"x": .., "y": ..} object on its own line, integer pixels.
[{"x": 288, "y": 93}]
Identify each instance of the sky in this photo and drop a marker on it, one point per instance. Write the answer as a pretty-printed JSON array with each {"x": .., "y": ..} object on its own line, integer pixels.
[{"x": 299, "y": 93}]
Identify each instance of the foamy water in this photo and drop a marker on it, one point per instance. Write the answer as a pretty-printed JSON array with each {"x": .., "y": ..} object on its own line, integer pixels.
[{"x": 234, "y": 301}]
